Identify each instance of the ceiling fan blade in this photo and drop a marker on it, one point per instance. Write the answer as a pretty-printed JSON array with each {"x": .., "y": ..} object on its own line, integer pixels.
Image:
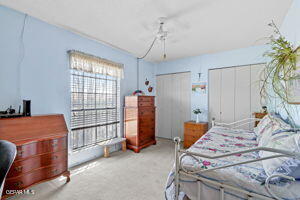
[{"x": 177, "y": 15}]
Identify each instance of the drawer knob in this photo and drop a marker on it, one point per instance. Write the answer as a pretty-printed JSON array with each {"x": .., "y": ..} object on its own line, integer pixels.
[
  {"x": 54, "y": 144},
  {"x": 20, "y": 153},
  {"x": 19, "y": 168},
  {"x": 54, "y": 171},
  {"x": 54, "y": 157},
  {"x": 18, "y": 184}
]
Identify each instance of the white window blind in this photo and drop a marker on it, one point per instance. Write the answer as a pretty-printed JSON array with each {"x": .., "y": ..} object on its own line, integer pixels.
[{"x": 95, "y": 103}]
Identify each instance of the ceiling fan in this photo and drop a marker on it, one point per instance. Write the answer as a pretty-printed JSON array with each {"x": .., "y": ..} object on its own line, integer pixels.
[
  {"x": 175, "y": 22},
  {"x": 160, "y": 35}
]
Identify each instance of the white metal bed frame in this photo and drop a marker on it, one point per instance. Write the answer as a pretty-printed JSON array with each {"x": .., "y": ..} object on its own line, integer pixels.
[{"x": 181, "y": 170}]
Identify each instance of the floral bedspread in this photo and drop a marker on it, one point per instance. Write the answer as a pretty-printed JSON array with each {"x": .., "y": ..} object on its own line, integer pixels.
[{"x": 251, "y": 177}]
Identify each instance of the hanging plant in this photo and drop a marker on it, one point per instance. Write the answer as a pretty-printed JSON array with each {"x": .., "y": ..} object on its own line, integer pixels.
[{"x": 281, "y": 71}]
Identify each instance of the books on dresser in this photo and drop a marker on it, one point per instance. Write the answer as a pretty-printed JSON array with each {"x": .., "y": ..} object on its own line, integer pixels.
[{"x": 139, "y": 122}]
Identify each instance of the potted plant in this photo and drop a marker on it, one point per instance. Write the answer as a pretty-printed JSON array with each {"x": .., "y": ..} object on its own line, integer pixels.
[
  {"x": 281, "y": 71},
  {"x": 197, "y": 112}
]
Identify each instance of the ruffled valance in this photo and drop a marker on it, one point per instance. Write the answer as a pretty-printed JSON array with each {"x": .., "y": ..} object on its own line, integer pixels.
[{"x": 93, "y": 64}]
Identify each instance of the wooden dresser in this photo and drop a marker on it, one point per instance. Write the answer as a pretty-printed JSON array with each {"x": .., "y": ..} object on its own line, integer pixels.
[
  {"x": 42, "y": 150},
  {"x": 193, "y": 131},
  {"x": 139, "y": 122}
]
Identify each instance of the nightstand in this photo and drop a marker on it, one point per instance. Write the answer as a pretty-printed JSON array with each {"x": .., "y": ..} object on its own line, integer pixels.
[
  {"x": 259, "y": 115},
  {"x": 193, "y": 131}
]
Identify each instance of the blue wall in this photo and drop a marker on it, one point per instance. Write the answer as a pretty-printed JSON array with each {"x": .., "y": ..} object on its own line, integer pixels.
[
  {"x": 44, "y": 75},
  {"x": 201, "y": 64}
]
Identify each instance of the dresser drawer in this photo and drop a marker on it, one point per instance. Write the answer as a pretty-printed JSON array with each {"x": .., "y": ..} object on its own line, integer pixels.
[
  {"x": 146, "y": 112},
  {"x": 146, "y": 131},
  {"x": 147, "y": 121},
  {"x": 57, "y": 144},
  {"x": 41, "y": 147},
  {"x": 145, "y": 103},
  {"x": 146, "y": 99},
  {"x": 188, "y": 143},
  {"x": 23, "y": 181},
  {"x": 143, "y": 139},
  {"x": 193, "y": 126},
  {"x": 29, "y": 164},
  {"x": 28, "y": 150},
  {"x": 191, "y": 138},
  {"x": 137, "y": 101},
  {"x": 192, "y": 132}
]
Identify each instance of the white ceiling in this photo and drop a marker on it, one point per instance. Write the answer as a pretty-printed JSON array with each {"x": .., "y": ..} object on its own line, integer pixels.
[{"x": 195, "y": 26}]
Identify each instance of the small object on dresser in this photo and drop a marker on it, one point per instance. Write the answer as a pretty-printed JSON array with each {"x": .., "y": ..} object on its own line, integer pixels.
[
  {"x": 265, "y": 109},
  {"x": 9, "y": 113},
  {"x": 197, "y": 112},
  {"x": 138, "y": 93},
  {"x": 193, "y": 131},
  {"x": 26, "y": 107}
]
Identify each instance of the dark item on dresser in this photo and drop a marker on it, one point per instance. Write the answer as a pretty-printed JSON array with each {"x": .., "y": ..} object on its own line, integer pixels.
[
  {"x": 11, "y": 115},
  {"x": 26, "y": 107},
  {"x": 259, "y": 115},
  {"x": 139, "y": 122},
  {"x": 42, "y": 150},
  {"x": 7, "y": 156},
  {"x": 193, "y": 131}
]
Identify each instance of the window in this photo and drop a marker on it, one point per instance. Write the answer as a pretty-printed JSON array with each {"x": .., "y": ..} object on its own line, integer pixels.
[{"x": 95, "y": 108}]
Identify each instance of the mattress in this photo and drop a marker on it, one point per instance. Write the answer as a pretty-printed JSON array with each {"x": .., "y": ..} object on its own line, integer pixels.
[{"x": 250, "y": 177}]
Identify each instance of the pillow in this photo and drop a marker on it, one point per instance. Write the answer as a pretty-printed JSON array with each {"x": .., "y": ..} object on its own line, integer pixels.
[
  {"x": 289, "y": 141},
  {"x": 270, "y": 124}
]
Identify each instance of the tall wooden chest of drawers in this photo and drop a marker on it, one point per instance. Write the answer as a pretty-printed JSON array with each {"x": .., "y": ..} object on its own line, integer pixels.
[
  {"x": 139, "y": 122},
  {"x": 193, "y": 131},
  {"x": 42, "y": 150}
]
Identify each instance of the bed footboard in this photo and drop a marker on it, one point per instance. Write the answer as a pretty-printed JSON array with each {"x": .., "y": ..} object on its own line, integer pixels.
[{"x": 181, "y": 170}]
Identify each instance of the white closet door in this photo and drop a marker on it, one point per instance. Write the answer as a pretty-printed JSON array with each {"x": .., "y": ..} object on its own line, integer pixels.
[
  {"x": 227, "y": 95},
  {"x": 256, "y": 74},
  {"x": 242, "y": 94},
  {"x": 180, "y": 103},
  {"x": 173, "y": 104},
  {"x": 176, "y": 95},
  {"x": 185, "y": 108},
  {"x": 163, "y": 118},
  {"x": 214, "y": 95}
]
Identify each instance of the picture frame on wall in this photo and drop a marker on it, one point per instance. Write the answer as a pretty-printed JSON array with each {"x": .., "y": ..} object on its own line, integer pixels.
[{"x": 199, "y": 87}]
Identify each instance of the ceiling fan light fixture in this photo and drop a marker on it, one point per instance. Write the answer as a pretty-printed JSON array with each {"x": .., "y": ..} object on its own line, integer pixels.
[{"x": 161, "y": 35}]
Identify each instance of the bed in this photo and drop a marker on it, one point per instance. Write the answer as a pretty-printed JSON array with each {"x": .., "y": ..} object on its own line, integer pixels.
[{"x": 226, "y": 163}]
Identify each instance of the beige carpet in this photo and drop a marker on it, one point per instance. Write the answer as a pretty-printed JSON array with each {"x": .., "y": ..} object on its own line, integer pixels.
[{"x": 123, "y": 176}]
